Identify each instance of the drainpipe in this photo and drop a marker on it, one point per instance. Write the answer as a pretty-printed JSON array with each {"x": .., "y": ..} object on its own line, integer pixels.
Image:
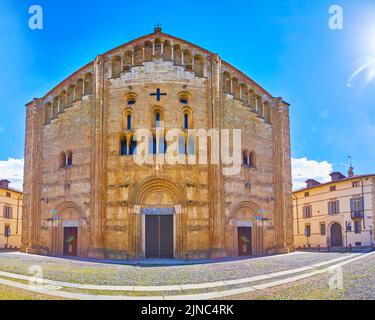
[
  {"x": 296, "y": 198},
  {"x": 363, "y": 197},
  {"x": 18, "y": 211}
]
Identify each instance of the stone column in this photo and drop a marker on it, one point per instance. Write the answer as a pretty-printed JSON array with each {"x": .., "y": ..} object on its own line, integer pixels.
[
  {"x": 217, "y": 219},
  {"x": 31, "y": 200},
  {"x": 282, "y": 181},
  {"x": 98, "y": 206}
]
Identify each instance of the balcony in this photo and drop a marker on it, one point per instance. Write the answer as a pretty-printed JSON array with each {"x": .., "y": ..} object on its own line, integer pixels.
[{"x": 357, "y": 215}]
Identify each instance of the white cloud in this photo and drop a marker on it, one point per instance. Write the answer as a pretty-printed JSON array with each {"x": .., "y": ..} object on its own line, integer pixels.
[
  {"x": 12, "y": 170},
  {"x": 303, "y": 169}
]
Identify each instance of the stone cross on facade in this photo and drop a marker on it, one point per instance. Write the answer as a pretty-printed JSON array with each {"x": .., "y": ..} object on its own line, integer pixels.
[{"x": 158, "y": 94}]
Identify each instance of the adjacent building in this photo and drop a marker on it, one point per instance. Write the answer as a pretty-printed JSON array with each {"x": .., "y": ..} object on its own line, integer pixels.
[
  {"x": 339, "y": 213},
  {"x": 10, "y": 216}
]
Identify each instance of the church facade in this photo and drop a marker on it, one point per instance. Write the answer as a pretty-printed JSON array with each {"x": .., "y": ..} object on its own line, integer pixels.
[{"x": 84, "y": 195}]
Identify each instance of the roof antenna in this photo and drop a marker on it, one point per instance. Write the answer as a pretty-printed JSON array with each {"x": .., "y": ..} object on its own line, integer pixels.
[
  {"x": 351, "y": 169},
  {"x": 157, "y": 28}
]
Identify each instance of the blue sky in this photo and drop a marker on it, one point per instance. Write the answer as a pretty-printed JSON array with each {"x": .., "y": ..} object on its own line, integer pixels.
[{"x": 286, "y": 46}]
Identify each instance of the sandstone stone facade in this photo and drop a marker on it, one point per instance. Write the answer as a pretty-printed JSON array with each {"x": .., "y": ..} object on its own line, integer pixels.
[{"x": 79, "y": 172}]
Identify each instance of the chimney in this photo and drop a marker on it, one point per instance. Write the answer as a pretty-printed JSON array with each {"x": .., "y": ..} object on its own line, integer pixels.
[
  {"x": 4, "y": 184},
  {"x": 351, "y": 172},
  {"x": 311, "y": 182},
  {"x": 336, "y": 176},
  {"x": 157, "y": 28}
]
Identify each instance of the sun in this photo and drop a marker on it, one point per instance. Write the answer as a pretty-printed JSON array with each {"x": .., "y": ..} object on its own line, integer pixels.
[{"x": 367, "y": 67}]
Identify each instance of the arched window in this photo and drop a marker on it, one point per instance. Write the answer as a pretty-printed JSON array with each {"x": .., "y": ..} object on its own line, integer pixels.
[
  {"x": 158, "y": 48},
  {"x": 252, "y": 159},
  {"x": 188, "y": 60},
  {"x": 177, "y": 55},
  {"x": 167, "y": 51},
  {"x": 162, "y": 145},
  {"x": 199, "y": 66},
  {"x": 62, "y": 100},
  {"x": 79, "y": 91},
  {"x": 88, "y": 84},
  {"x": 71, "y": 94},
  {"x": 62, "y": 160},
  {"x": 157, "y": 119},
  {"x": 236, "y": 88},
  {"x": 152, "y": 146},
  {"x": 55, "y": 107},
  {"x": 186, "y": 120},
  {"x": 181, "y": 144},
  {"x": 227, "y": 83},
  {"x": 69, "y": 161},
  {"x": 267, "y": 112},
  {"x": 128, "y": 57},
  {"x": 116, "y": 66},
  {"x": 138, "y": 55},
  {"x": 191, "y": 146},
  {"x": 123, "y": 146},
  {"x": 132, "y": 146},
  {"x": 260, "y": 106},
  {"x": 245, "y": 158},
  {"x": 47, "y": 112},
  {"x": 148, "y": 51},
  {"x": 252, "y": 100},
  {"x": 244, "y": 94},
  {"x": 187, "y": 117},
  {"x": 129, "y": 122}
]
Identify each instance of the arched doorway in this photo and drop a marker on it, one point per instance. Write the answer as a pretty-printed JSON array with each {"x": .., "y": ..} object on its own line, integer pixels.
[
  {"x": 158, "y": 219},
  {"x": 244, "y": 232},
  {"x": 336, "y": 235},
  {"x": 69, "y": 230}
]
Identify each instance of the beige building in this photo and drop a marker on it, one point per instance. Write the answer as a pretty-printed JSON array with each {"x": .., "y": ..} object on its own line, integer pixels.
[
  {"x": 84, "y": 194},
  {"x": 10, "y": 216},
  {"x": 339, "y": 213}
]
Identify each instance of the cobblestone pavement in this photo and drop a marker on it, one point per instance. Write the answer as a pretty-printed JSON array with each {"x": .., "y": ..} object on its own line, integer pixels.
[
  {"x": 108, "y": 274},
  {"x": 358, "y": 284}
]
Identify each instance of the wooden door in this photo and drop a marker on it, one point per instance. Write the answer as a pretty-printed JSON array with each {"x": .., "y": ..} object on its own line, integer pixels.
[
  {"x": 166, "y": 237},
  {"x": 336, "y": 235},
  {"x": 159, "y": 236},
  {"x": 244, "y": 241},
  {"x": 70, "y": 241}
]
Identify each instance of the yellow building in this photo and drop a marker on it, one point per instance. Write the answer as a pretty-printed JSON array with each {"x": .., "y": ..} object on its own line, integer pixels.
[
  {"x": 339, "y": 213},
  {"x": 10, "y": 216}
]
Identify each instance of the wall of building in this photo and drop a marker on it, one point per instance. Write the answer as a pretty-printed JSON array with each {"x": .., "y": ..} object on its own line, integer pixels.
[
  {"x": 102, "y": 190},
  {"x": 12, "y": 199},
  {"x": 319, "y": 197}
]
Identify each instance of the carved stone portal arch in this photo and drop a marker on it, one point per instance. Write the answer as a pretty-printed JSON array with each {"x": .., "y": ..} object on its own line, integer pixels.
[
  {"x": 244, "y": 214},
  {"x": 153, "y": 194},
  {"x": 69, "y": 214}
]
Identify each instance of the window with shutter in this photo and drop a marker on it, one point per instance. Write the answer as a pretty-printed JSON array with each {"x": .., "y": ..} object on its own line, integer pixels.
[
  {"x": 7, "y": 231},
  {"x": 7, "y": 212},
  {"x": 307, "y": 230},
  {"x": 307, "y": 212},
  {"x": 322, "y": 229}
]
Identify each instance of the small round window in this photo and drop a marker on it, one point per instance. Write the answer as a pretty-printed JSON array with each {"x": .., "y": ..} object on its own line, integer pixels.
[
  {"x": 184, "y": 101},
  {"x": 131, "y": 102}
]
